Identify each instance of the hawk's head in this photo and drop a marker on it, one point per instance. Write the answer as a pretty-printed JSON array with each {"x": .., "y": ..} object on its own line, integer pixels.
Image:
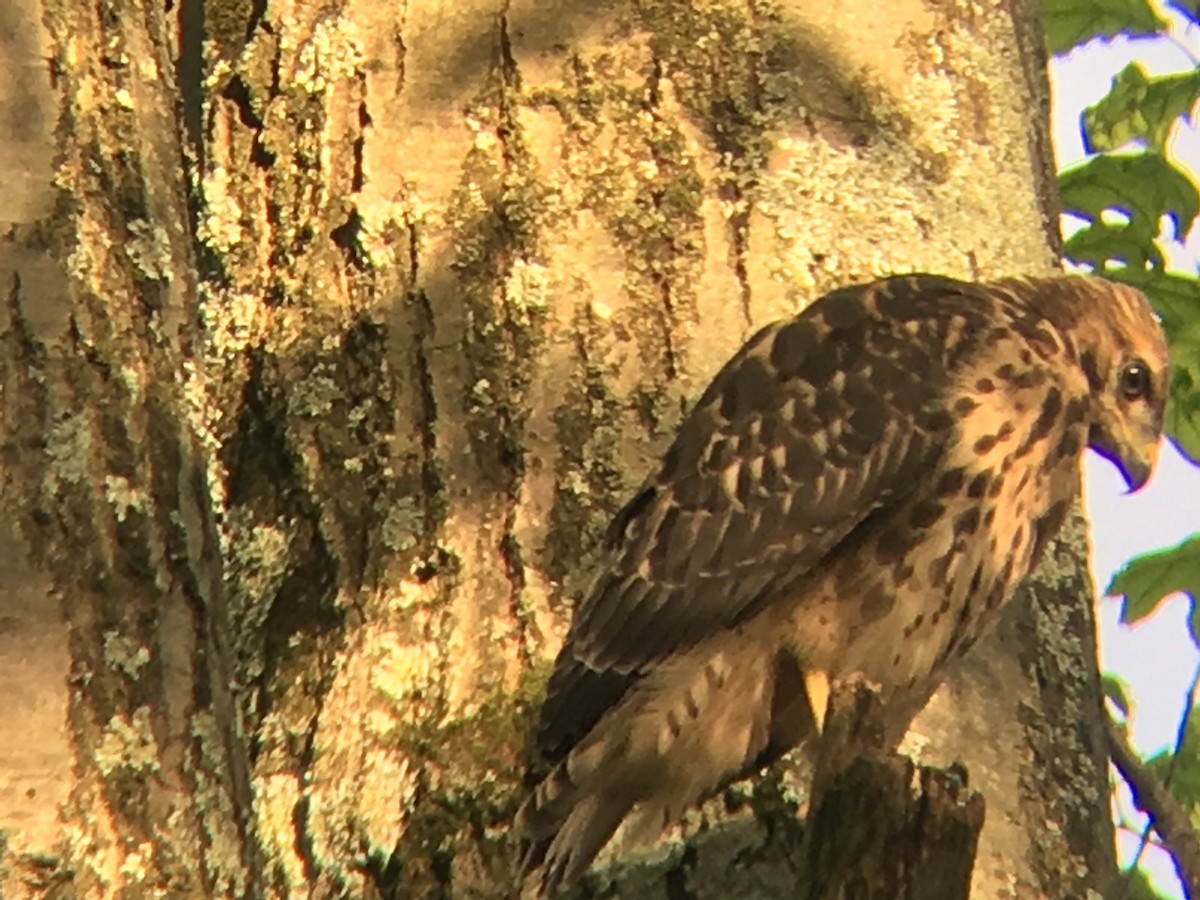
[{"x": 1123, "y": 355}]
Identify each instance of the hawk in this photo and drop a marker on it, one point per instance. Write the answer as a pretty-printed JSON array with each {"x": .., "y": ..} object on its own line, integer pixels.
[{"x": 857, "y": 493}]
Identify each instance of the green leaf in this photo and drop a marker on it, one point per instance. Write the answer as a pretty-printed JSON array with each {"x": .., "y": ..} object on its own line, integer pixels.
[
  {"x": 1188, "y": 8},
  {"x": 1139, "y": 109},
  {"x": 1117, "y": 690},
  {"x": 1184, "y": 781},
  {"x": 1145, "y": 580},
  {"x": 1107, "y": 248},
  {"x": 1137, "y": 886},
  {"x": 1068, "y": 23},
  {"x": 1182, "y": 420},
  {"x": 1142, "y": 186},
  {"x": 1175, "y": 297}
]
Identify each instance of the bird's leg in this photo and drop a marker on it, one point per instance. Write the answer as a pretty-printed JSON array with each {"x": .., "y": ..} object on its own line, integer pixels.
[
  {"x": 853, "y": 726},
  {"x": 816, "y": 686}
]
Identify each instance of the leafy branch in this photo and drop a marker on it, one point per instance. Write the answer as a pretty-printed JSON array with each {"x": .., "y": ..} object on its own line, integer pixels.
[
  {"x": 1153, "y": 795},
  {"x": 1124, "y": 195},
  {"x": 1131, "y": 200}
]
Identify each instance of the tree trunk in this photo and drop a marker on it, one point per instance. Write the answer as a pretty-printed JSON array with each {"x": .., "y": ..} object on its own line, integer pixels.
[{"x": 333, "y": 335}]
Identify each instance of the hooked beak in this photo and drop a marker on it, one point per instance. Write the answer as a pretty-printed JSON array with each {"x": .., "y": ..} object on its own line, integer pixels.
[{"x": 1134, "y": 457}]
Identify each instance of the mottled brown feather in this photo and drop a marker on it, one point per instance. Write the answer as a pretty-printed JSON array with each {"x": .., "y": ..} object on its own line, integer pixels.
[
  {"x": 857, "y": 491},
  {"x": 777, "y": 392}
]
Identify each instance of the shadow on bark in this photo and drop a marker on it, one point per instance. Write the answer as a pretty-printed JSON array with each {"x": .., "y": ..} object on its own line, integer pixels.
[{"x": 786, "y": 73}]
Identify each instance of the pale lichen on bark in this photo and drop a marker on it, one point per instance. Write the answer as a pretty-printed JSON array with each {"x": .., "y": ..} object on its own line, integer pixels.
[
  {"x": 1075, "y": 855},
  {"x": 110, "y": 513}
]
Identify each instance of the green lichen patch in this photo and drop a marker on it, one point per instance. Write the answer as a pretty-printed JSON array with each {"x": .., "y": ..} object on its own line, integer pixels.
[
  {"x": 150, "y": 250},
  {"x": 402, "y": 525},
  {"x": 470, "y": 783},
  {"x": 128, "y": 743},
  {"x": 656, "y": 410},
  {"x": 730, "y": 64},
  {"x": 125, "y": 655},
  {"x": 339, "y": 392},
  {"x": 312, "y": 477},
  {"x": 328, "y": 52},
  {"x": 125, "y": 497},
  {"x": 653, "y": 205},
  {"x": 589, "y": 480},
  {"x": 638, "y": 172},
  {"x": 213, "y": 808},
  {"x": 498, "y": 215},
  {"x": 1057, "y": 791},
  {"x": 257, "y": 562},
  {"x": 69, "y": 447}
]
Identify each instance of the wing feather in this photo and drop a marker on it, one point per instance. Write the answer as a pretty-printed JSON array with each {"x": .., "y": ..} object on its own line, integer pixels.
[{"x": 816, "y": 424}]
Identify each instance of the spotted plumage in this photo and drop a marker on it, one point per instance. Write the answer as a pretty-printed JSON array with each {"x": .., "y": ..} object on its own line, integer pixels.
[{"x": 858, "y": 491}]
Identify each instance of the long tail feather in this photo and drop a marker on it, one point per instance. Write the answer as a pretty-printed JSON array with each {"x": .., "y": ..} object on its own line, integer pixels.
[
  {"x": 586, "y": 830},
  {"x": 564, "y": 828}
]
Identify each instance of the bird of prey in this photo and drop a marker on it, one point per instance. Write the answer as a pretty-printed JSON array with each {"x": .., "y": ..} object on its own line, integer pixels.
[{"x": 856, "y": 494}]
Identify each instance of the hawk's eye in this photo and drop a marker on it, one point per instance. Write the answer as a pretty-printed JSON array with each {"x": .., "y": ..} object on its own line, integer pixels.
[{"x": 1134, "y": 380}]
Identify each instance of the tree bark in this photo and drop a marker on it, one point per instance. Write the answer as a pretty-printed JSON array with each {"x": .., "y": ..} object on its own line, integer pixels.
[
  {"x": 333, "y": 335},
  {"x": 134, "y": 773}
]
